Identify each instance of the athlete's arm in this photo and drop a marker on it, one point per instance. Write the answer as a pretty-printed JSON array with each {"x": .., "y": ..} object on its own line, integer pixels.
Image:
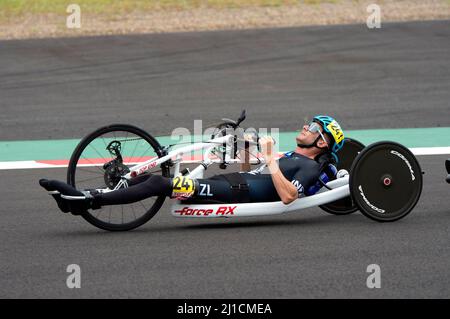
[{"x": 285, "y": 189}]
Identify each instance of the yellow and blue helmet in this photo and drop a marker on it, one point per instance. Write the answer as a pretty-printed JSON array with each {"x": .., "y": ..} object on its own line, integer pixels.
[{"x": 333, "y": 129}]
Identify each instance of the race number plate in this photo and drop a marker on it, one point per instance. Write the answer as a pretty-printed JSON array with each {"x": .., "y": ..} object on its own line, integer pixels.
[{"x": 182, "y": 187}]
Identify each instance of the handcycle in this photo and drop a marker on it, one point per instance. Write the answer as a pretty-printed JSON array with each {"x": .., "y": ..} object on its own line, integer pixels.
[{"x": 382, "y": 180}]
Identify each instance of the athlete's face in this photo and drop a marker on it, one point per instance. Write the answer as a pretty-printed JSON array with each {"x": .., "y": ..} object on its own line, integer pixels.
[{"x": 305, "y": 136}]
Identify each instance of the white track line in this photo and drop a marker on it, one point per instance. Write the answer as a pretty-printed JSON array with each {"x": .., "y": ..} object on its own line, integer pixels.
[
  {"x": 34, "y": 165},
  {"x": 430, "y": 150}
]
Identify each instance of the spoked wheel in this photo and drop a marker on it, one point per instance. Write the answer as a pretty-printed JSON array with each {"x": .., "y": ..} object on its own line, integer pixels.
[
  {"x": 386, "y": 181},
  {"x": 347, "y": 155},
  {"x": 100, "y": 160}
]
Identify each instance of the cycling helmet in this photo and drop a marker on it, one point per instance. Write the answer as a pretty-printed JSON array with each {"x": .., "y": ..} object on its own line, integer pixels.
[{"x": 333, "y": 129}]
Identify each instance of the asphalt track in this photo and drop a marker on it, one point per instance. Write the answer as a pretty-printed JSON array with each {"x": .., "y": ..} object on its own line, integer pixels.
[{"x": 398, "y": 76}]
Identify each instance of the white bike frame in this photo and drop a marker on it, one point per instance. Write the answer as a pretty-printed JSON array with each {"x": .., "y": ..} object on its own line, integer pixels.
[{"x": 333, "y": 191}]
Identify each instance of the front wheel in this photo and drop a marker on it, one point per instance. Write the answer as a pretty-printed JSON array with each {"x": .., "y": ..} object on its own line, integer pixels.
[{"x": 101, "y": 159}]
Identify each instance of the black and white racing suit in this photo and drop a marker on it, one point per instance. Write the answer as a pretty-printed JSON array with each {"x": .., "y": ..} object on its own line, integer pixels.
[{"x": 302, "y": 171}]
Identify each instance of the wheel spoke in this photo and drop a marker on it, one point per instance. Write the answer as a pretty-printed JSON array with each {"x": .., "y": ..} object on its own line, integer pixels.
[
  {"x": 134, "y": 150},
  {"x": 94, "y": 165},
  {"x": 104, "y": 142},
  {"x": 138, "y": 161},
  {"x": 124, "y": 144},
  {"x": 89, "y": 171},
  {"x": 86, "y": 180},
  {"x": 106, "y": 161},
  {"x": 134, "y": 213},
  {"x": 143, "y": 205}
]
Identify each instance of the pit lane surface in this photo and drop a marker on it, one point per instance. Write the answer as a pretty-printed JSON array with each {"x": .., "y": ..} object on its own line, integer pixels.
[{"x": 398, "y": 76}]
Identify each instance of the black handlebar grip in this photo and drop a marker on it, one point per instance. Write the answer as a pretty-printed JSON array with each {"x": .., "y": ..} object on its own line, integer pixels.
[{"x": 241, "y": 118}]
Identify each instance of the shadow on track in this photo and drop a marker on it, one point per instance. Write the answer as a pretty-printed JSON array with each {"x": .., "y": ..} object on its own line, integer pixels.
[{"x": 207, "y": 226}]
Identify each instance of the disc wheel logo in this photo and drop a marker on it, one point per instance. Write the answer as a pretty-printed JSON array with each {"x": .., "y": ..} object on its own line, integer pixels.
[
  {"x": 379, "y": 210},
  {"x": 408, "y": 164}
]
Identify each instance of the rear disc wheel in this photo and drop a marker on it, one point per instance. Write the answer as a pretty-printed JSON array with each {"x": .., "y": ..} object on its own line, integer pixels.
[{"x": 386, "y": 181}]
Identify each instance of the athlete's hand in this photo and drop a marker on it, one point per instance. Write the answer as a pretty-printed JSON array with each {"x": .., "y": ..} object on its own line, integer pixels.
[{"x": 266, "y": 143}]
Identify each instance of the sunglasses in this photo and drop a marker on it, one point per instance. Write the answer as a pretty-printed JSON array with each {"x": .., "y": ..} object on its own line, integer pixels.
[{"x": 314, "y": 127}]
